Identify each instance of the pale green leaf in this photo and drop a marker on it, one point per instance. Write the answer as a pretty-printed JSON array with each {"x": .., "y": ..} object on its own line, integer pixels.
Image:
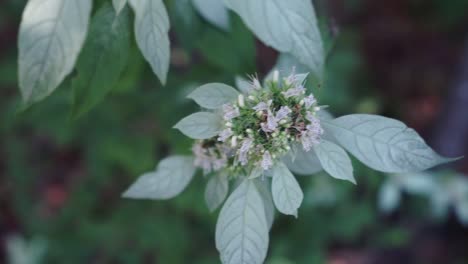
[
  {"x": 335, "y": 161},
  {"x": 104, "y": 57},
  {"x": 214, "y": 95},
  {"x": 169, "y": 179},
  {"x": 151, "y": 32},
  {"x": 288, "y": 26},
  {"x": 287, "y": 194},
  {"x": 214, "y": 11},
  {"x": 302, "y": 162},
  {"x": 119, "y": 5},
  {"x": 264, "y": 188},
  {"x": 383, "y": 144},
  {"x": 243, "y": 85},
  {"x": 216, "y": 191},
  {"x": 242, "y": 229},
  {"x": 50, "y": 38},
  {"x": 200, "y": 125}
]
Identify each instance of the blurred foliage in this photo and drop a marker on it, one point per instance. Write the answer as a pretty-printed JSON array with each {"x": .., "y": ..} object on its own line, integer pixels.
[{"x": 61, "y": 178}]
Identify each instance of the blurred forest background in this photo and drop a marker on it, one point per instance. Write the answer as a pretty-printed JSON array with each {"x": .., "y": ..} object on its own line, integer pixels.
[{"x": 61, "y": 177}]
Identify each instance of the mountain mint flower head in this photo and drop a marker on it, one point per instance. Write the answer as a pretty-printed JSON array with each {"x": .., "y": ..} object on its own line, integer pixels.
[{"x": 261, "y": 126}]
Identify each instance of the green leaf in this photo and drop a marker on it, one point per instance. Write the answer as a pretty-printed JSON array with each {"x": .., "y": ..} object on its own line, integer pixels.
[
  {"x": 389, "y": 197},
  {"x": 103, "y": 59},
  {"x": 151, "y": 32},
  {"x": 287, "y": 194},
  {"x": 216, "y": 191},
  {"x": 119, "y": 5},
  {"x": 302, "y": 162},
  {"x": 383, "y": 144},
  {"x": 214, "y": 11},
  {"x": 264, "y": 188},
  {"x": 214, "y": 95},
  {"x": 169, "y": 179},
  {"x": 242, "y": 230},
  {"x": 232, "y": 51},
  {"x": 335, "y": 161},
  {"x": 288, "y": 26},
  {"x": 50, "y": 38},
  {"x": 201, "y": 125}
]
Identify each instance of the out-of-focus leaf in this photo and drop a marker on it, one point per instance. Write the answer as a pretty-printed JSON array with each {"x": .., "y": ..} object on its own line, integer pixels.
[
  {"x": 50, "y": 38},
  {"x": 151, "y": 32},
  {"x": 288, "y": 26},
  {"x": 104, "y": 57},
  {"x": 201, "y": 125},
  {"x": 169, "y": 179},
  {"x": 214, "y": 11},
  {"x": 119, "y": 5}
]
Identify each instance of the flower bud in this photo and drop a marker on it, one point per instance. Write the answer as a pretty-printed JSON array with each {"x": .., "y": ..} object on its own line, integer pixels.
[
  {"x": 228, "y": 124},
  {"x": 240, "y": 100},
  {"x": 234, "y": 141},
  {"x": 275, "y": 76},
  {"x": 259, "y": 113},
  {"x": 301, "y": 102},
  {"x": 251, "y": 98}
]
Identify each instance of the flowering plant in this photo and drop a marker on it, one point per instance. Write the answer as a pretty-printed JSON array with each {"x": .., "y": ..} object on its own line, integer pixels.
[{"x": 256, "y": 139}]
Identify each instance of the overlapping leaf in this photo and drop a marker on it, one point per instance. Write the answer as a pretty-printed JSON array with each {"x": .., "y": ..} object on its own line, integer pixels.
[{"x": 50, "y": 38}]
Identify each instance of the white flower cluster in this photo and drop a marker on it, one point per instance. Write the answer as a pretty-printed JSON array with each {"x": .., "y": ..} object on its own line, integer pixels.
[{"x": 260, "y": 126}]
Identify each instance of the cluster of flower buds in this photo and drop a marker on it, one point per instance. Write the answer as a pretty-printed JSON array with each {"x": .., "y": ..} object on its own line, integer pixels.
[{"x": 262, "y": 124}]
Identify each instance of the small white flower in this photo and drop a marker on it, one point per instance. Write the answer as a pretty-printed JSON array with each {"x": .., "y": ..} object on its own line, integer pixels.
[
  {"x": 267, "y": 162},
  {"x": 230, "y": 112},
  {"x": 295, "y": 91},
  {"x": 234, "y": 141},
  {"x": 263, "y": 106},
  {"x": 309, "y": 101},
  {"x": 283, "y": 112},
  {"x": 225, "y": 134}
]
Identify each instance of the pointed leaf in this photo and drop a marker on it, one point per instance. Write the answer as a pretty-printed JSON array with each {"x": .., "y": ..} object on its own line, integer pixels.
[
  {"x": 214, "y": 11},
  {"x": 288, "y": 26},
  {"x": 287, "y": 194},
  {"x": 302, "y": 162},
  {"x": 335, "y": 161},
  {"x": 201, "y": 125},
  {"x": 264, "y": 188},
  {"x": 214, "y": 95},
  {"x": 383, "y": 144},
  {"x": 50, "y": 38},
  {"x": 169, "y": 179},
  {"x": 216, "y": 191},
  {"x": 151, "y": 32},
  {"x": 119, "y": 5},
  {"x": 241, "y": 230},
  {"x": 104, "y": 57}
]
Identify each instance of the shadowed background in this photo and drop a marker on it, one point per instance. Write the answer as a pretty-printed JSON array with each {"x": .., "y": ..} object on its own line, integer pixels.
[{"x": 61, "y": 178}]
